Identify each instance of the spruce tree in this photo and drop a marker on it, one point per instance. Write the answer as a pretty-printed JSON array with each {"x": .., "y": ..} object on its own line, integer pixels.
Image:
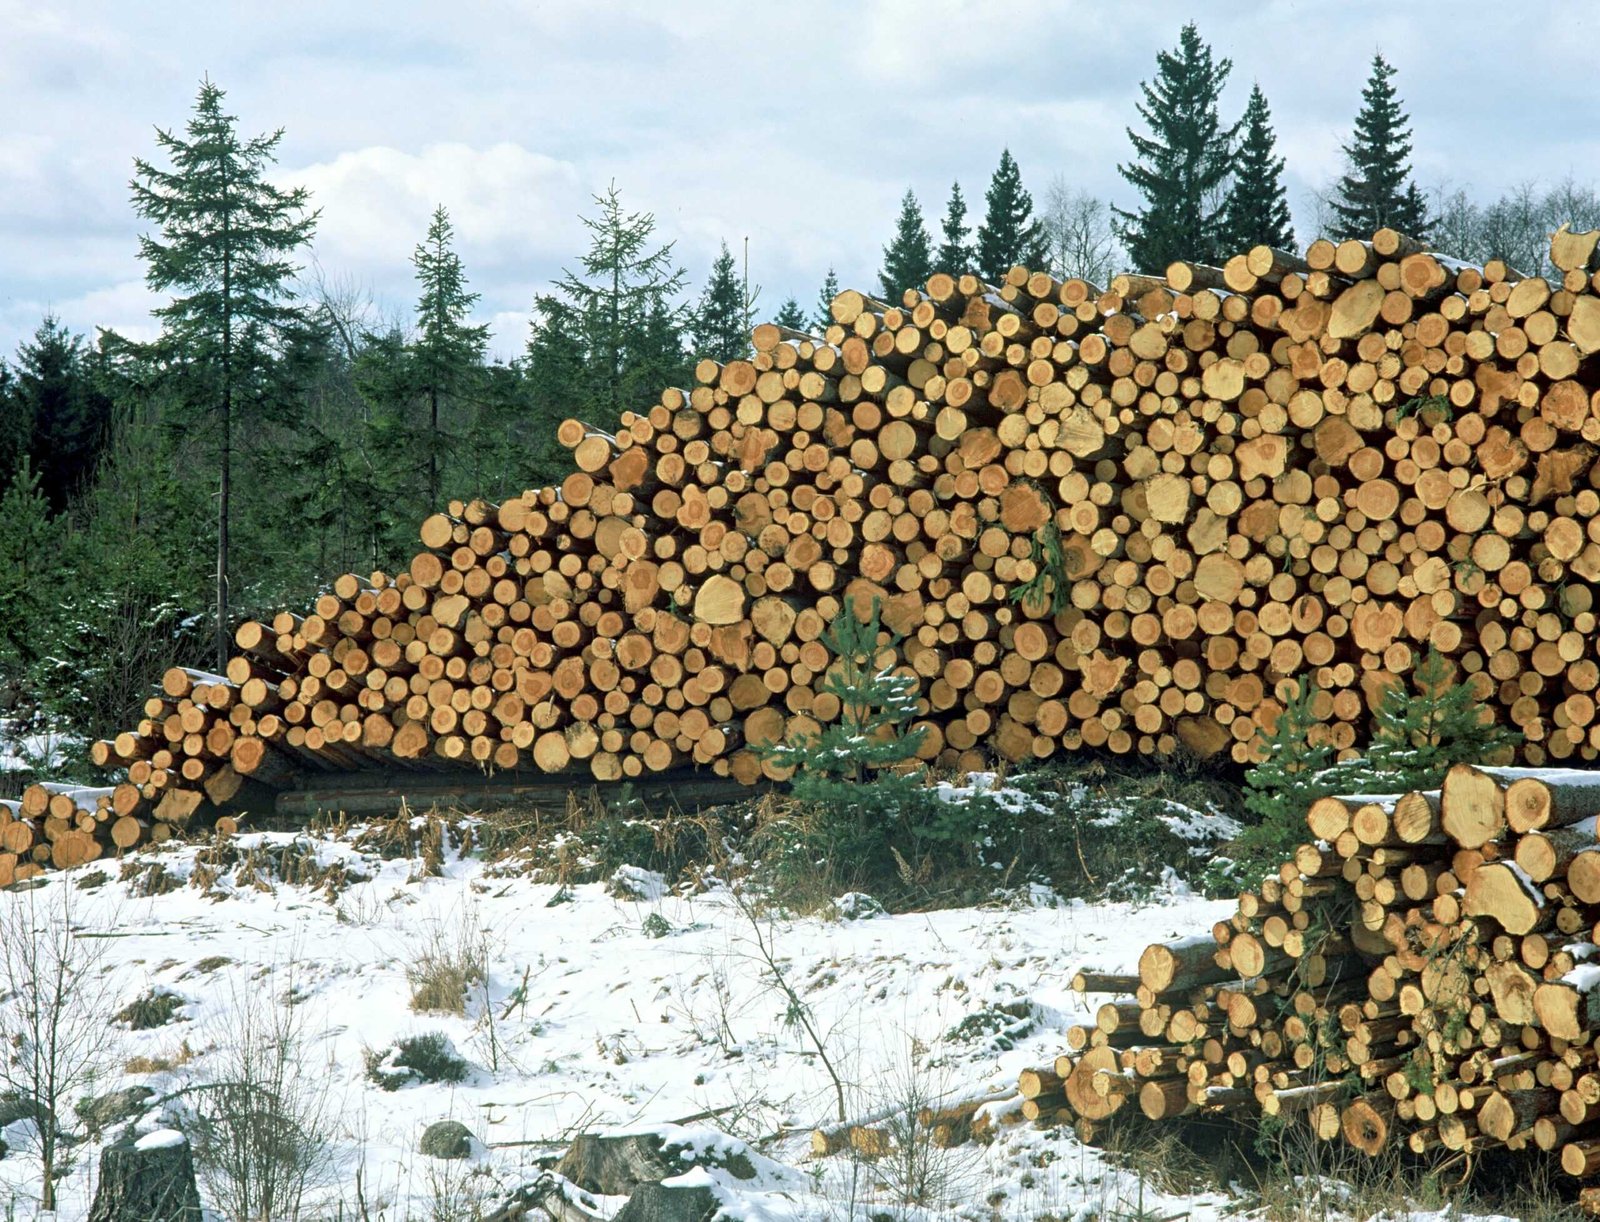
[
  {"x": 30, "y": 575},
  {"x": 955, "y": 254},
  {"x": 1378, "y": 191},
  {"x": 1257, "y": 211},
  {"x": 853, "y": 764},
  {"x": 1180, "y": 167},
  {"x": 554, "y": 374},
  {"x": 67, "y": 414},
  {"x": 446, "y": 358},
  {"x": 792, "y": 314},
  {"x": 624, "y": 297},
  {"x": 830, "y": 290},
  {"x": 1009, "y": 234},
  {"x": 227, "y": 239},
  {"x": 908, "y": 259},
  {"x": 721, "y": 329},
  {"x": 1422, "y": 728}
]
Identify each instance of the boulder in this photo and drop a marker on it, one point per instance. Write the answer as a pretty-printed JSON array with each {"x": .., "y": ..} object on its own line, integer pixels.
[
  {"x": 103, "y": 1111},
  {"x": 151, "y": 1179},
  {"x": 446, "y": 1139}
]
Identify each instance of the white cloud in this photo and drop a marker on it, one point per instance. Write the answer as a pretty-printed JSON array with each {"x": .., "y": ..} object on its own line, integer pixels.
[{"x": 376, "y": 202}]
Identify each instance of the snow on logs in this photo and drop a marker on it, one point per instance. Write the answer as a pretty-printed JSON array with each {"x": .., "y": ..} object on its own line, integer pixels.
[
  {"x": 1422, "y": 985},
  {"x": 1111, "y": 517}
]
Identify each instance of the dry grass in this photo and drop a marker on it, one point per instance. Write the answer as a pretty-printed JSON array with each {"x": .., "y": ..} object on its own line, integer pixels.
[{"x": 453, "y": 958}]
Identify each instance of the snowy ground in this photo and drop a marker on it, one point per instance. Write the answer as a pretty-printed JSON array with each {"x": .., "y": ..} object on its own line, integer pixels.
[{"x": 609, "y": 1013}]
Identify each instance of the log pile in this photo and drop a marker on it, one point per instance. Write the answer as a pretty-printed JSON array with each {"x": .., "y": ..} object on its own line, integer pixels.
[
  {"x": 1423, "y": 972},
  {"x": 1113, "y": 517}
]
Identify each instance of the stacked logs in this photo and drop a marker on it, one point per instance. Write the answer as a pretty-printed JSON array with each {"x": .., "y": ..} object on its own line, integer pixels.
[
  {"x": 1110, "y": 517},
  {"x": 1425, "y": 972}
]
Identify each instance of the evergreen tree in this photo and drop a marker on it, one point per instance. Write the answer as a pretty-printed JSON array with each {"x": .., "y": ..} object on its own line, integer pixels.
[
  {"x": 623, "y": 297},
  {"x": 1421, "y": 729},
  {"x": 227, "y": 240},
  {"x": 1257, "y": 211},
  {"x": 30, "y": 575},
  {"x": 63, "y": 409},
  {"x": 446, "y": 358},
  {"x": 1379, "y": 191},
  {"x": 1180, "y": 167},
  {"x": 1009, "y": 234},
  {"x": 721, "y": 328},
  {"x": 908, "y": 259},
  {"x": 955, "y": 255},
  {"x": 554, "y": 376},
  {"x": 14, "y": 428},
  {"x": 653, "y": 355},
  {"x": 830, "y": 290},
  {"x": 854, "y": 763},
  {"x": 792, "y": 315}
]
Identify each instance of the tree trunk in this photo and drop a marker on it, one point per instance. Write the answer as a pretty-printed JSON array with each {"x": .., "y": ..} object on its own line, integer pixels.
[{"x": 146, "y": 1182}]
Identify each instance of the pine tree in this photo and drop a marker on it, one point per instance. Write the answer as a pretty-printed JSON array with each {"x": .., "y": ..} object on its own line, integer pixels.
[
  {"x": 830, "y": 290},
  {"x": 1180, "y": 167},
  {"x": 1378, "y": 191},
  {"x": 1009, "y": 234},
  {"x": 1421, "y": 729},
  {"x": 1257, "y": 211},
  {"x": 792, "y": 314},
  {"x": 227, "y": 239},
  {"x": 446, "y": 358},
  {"x": 955, "y": 255},
  {"x": 721, "y": 328},
  {"x": 624, "y": 287},
  {"x": 908, "y": 259}
]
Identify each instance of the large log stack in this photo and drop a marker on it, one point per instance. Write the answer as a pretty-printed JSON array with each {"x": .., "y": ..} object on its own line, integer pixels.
[
  {"x": 1424, "y": 972},
  {"x": 1116, "y": 517}
]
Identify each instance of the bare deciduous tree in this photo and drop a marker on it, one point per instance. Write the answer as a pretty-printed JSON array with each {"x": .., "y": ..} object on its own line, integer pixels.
[
  {"x": 265, "y": 1126},
  {"x": 54, "y": 1015},
  {"x": 1078, "y": 233}
]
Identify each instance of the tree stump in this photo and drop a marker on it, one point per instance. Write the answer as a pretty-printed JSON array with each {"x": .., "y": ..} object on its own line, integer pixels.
[{"x": 151, "y": 1180}]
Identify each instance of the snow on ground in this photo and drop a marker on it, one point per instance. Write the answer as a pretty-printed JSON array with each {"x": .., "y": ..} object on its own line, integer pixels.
[{"x": 607, "y": 1013}]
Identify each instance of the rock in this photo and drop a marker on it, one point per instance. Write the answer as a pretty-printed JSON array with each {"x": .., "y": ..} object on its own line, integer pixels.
[
  {"x": 13, "y": 1107},
  {"x": 446, "y": 1139},
  {"x": 615, "y": 1166},
  {"x": 636, "y": 883},
  {"x": 151, "y": 1179},
  {"x": 670, "y": 1203},
  {"x": 103, "y": 1111}
]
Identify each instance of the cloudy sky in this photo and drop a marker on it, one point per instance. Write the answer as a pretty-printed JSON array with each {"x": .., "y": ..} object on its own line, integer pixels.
[{"x": 797, "y": 126}]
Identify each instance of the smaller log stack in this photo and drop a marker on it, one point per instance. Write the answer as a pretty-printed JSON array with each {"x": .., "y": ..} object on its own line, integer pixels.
[{"x": 1424, "y": 971}]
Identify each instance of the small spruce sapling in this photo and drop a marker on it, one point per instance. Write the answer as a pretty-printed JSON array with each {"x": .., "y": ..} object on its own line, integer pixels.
[
  {"x": 855, "y": 761},
  {"x": 1421, "y": 729},
  {"x": 1295, "y": 767},
  {"x": 1296, "y": 760}
]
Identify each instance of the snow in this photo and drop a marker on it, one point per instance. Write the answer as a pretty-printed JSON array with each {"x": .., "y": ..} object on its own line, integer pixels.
[
  {"x": 588, "y": 1021},
  {"x": 161, "y": 1139},
  {"x": 32, "y": 753}
]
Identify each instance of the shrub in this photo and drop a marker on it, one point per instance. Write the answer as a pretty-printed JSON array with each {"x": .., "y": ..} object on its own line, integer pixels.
[
  {"x": 416, "y": 1058},
  {"x": 150, "y": 1010}
]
